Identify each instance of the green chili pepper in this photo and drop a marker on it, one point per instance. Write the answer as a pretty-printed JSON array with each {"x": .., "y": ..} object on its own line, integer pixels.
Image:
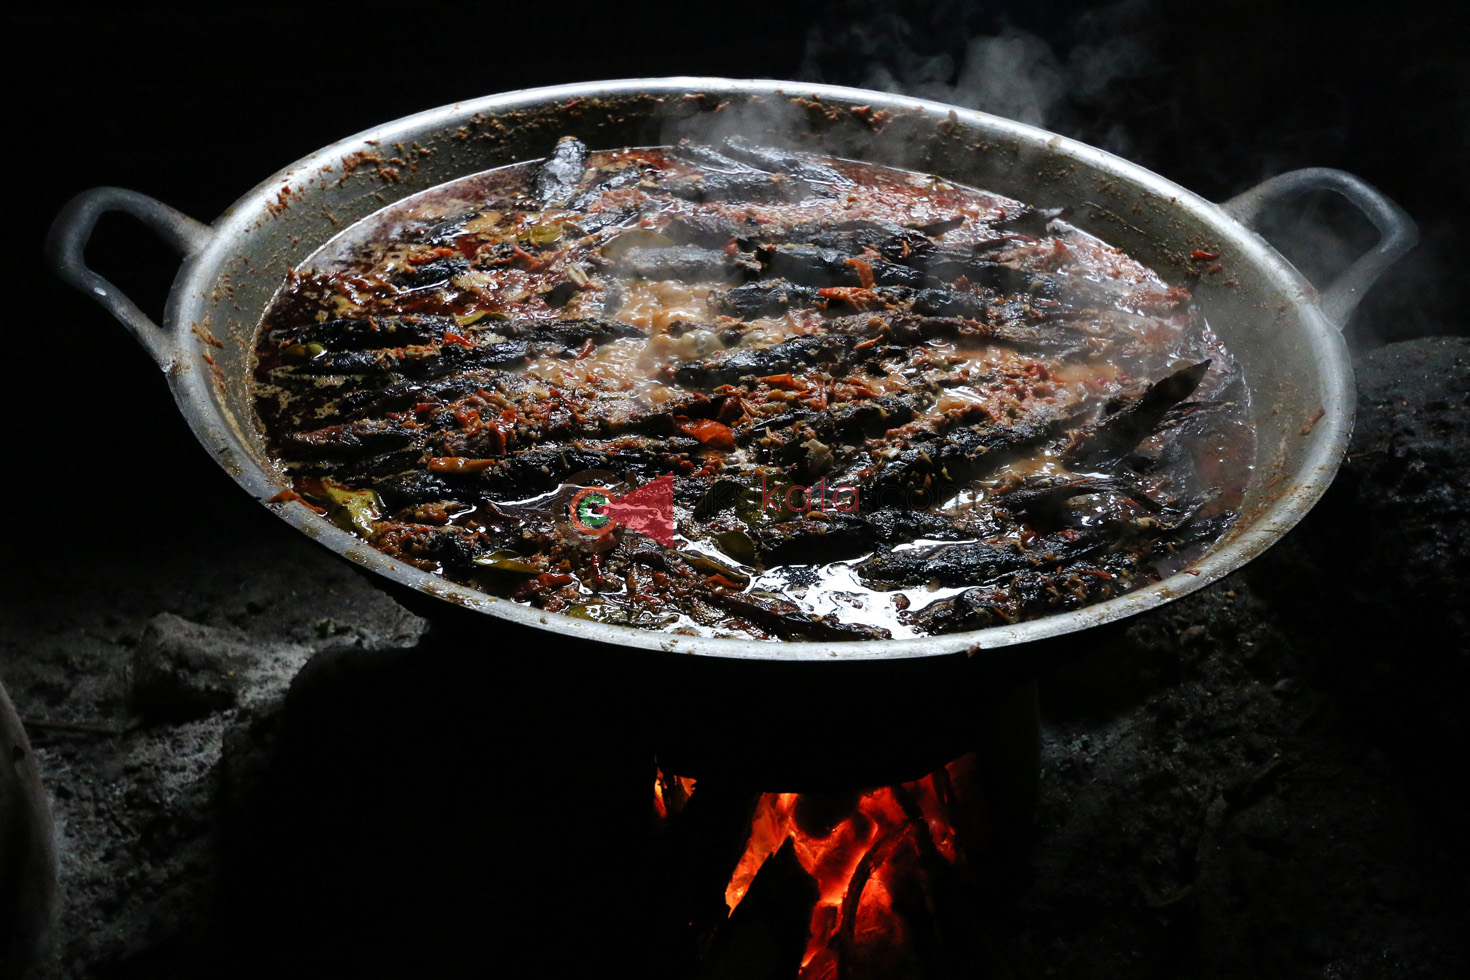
[
  {"x": 353, "y": 510},
  {"x": 508, "y": 561}
]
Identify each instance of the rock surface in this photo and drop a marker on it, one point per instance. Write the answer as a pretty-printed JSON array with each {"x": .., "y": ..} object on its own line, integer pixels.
[
  {"x": 183, "y": 671},
  {"x": 27, "y": 849}
]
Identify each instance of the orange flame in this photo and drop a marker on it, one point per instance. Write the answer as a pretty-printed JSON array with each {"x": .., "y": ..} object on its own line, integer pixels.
[
  {"x": 865, "y": 844},
  {"x": 670, "y": 793}
]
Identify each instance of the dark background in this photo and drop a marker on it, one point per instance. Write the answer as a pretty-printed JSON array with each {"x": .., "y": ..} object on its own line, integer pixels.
[{"x": 195, "y": 107}]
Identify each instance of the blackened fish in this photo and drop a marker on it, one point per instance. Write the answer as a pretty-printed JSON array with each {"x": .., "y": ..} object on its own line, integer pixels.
[
  {"x": 1107, "y": 441},
  {"x": 688, "y": 263},
  {"x": 798, "y": 165},
  {"x": 798, "y": 352},
  {"x": 559, "y": 176},
  {"x": 762, "y": 299}
]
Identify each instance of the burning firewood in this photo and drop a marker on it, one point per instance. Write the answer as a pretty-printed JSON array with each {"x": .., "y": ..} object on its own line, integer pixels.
[{"x": 767, "y": 933}]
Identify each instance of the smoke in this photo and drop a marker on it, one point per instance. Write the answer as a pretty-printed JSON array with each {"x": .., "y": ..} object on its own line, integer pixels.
[
  {"x": 1216, "y": 97},
  {"x": 965, "y": 53},
  {"x": 1015, "y": 75},
  {"x": 757, "y": 120}
]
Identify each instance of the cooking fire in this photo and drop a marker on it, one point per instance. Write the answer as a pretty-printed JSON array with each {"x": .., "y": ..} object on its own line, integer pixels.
[{"x": 875, "y": 883}]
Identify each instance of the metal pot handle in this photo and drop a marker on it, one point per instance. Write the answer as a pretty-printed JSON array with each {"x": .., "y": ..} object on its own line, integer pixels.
[
  {"x": 71, "y": 231},
  {"x": 1396, "y": 229}
]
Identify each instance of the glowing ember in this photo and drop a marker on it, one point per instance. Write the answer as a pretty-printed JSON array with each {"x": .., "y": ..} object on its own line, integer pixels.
[
  {"x": 670, "y": 793},
  {"x": 869, "y": 854}
]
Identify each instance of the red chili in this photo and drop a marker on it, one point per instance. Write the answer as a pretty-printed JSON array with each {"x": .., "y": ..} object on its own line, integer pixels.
[
  {"x": 495, "y": 436},
  {"x": 532, "y": 263},
  {"x": 731, "y": 408},
  {"x": 859, "y": 297},
  {"x": 458, "y": 464},
  {"x": 437, "y": 253},
  {"x": 1201, "y": 255},
  {"x": 286, "y": 496},
  {"x": 714, "y": 434}
]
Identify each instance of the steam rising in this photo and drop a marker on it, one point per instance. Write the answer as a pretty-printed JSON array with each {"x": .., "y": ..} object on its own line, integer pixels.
[
  {"x": 1203, "y": 96},
  {"x": 997, "y": 67}
]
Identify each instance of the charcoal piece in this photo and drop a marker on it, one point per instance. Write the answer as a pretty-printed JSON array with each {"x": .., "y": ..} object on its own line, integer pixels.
[
  {"x": 698, "y": 852},
  {"x": 766, "y": 934}
]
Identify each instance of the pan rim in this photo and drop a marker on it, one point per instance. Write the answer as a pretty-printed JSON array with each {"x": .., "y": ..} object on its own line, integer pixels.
[{"x": 193, "y": 388}]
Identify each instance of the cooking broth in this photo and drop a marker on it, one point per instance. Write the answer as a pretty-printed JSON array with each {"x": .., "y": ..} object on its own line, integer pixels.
[{"x": 877, "y": 403}]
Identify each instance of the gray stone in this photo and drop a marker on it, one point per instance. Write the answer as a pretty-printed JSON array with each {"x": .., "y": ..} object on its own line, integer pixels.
[
  {"x": 1373, "y": 583},
  {"x": 27, "y": 849},
  {"x": 183, "y": 671}
]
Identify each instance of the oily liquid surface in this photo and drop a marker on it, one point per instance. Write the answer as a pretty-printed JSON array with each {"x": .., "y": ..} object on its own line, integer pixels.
[{"x": 890, "y": 405}]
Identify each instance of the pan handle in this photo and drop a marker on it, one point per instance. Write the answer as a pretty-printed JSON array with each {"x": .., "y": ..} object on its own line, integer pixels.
[
  {"x": 71, "y": 231},
  {"x": 1397, "y": 231}
]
